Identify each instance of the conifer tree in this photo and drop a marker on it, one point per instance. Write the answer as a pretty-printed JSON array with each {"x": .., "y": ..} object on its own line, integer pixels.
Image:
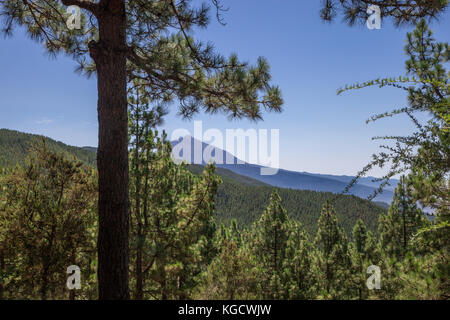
[
  {"x": 333, "y": 256},
  {"x": 300, "y": 273},
  {"x": 142, "y": 119},
  {"x": 232, "y": 274},
  {"x": 178, "y": 227},
  {"x": 171, "y": 213},
  {"x": 401, "y": 11},
  {"x": 47, "y": 221},
  {"x": 360, "y": 236},
  {"x": 271, "y": 235},
  {"x": 121, "y": 41},
  {"x": 402, "y": 221},
  {"x": 372, "y": 251},
  {"x": 363, "y": 253}
]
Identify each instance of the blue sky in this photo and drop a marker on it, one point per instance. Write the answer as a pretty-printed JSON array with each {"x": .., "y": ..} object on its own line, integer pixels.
[{"x": 320, "y": 132}]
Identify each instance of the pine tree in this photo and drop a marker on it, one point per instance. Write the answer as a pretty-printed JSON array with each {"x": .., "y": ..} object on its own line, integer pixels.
[
  {"x": 271, "y": 235},
  {"x": 401, "y": 11},
  {"x": 424, "y": 156},
  {"x": 47, "y": 221},
  {"x": 121, "y": 41},
  {"x": 232, "y": 274},
  {"x": 142, "y": 119},
  {"x": 172, "y": 228},
  {"x": 300, "y": 273},
  {"x": 402, "y": 221},
  {"x": 360, "y": 236},
  {"x": 363, "y": 253},
  {"x": 333, "y": 256},
  {"x": 178, "y": 236}
]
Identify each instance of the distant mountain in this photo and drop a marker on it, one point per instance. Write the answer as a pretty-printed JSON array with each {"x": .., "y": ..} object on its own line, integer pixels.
[
  {"x": 285, "y": 178},
  {"x": 382, "y": 204},
  {"x": 91, "y": 149},
  {"x": 15, "y": 145},
  {"x": 366, "y": 181},
  {"x": 229, "y": 176}
]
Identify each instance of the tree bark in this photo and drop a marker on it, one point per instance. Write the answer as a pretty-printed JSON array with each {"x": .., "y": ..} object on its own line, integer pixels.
[
  {"x": 404, "y": 225},
  {"x": 109, "y": 54},
  {"x": 139, "y": 295},
  {"x": 46, "y": 263},
  {"x": 2, "y": 268}
]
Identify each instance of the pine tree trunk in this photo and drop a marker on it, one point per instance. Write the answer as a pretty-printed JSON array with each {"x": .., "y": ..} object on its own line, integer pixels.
[
  {"x": 44, "y": 279},
  {"x": 46, "y": 263},
  {"x": 88, "y": 273},
  {"x": 2, "y": 268},
  {"x": 112, "y": 159},
  {"x": 139, "y": 295},
  {"x": 72, "y": 293},
  {"x": 404, "y": 229}
]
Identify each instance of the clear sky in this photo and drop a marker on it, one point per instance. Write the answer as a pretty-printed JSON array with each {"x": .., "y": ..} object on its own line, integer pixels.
[{"x": 320, "y": 132}]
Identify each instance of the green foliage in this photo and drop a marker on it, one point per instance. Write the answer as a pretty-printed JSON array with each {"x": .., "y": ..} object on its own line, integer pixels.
[
  {"x": 415, "y": 253},
  {"x": 147, "y": 45},
  {"x": 47, "y": 203},
  {"x": 271, "y": 234},
  {"x": 47, "y": 223},
  {"x": 171, "y": 213},
  {"x": 363, "y": 253},
  {"x": 244, "y": 203},
  {"x": 300, "y": 273},
  {"x": 333, "y": 258},
  {"x": 400, "y": 11},
  {"x": 272, "y": 260},
  {"x": 402, "y": 222},
  {"x": 425, "y": 277},
  {"x": 231, "y": 275},
  {"x": 183, "y": 255}
]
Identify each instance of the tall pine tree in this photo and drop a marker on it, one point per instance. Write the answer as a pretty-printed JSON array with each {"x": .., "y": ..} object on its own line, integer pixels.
[
  {"x": 402, "y": 221},
  {"x": 47, "y": 223},
  {"x": 271, "y": 235},
  {"x": 333, "y": 256}
]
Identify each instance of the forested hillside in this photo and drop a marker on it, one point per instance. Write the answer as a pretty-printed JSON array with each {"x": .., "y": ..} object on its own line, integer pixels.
[
  {"x": 229, "y": 176},
  {"x": 15, "y": 145},
  {"x": 239, "y": 197},
  {"x": 243, "y": 199},
  {"x": 245, "y": 204}
]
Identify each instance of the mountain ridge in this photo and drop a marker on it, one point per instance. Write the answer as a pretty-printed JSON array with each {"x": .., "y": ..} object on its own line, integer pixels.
[
  {"x": 15, "y": 146},
  {"x": 286, "y": 178}
]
